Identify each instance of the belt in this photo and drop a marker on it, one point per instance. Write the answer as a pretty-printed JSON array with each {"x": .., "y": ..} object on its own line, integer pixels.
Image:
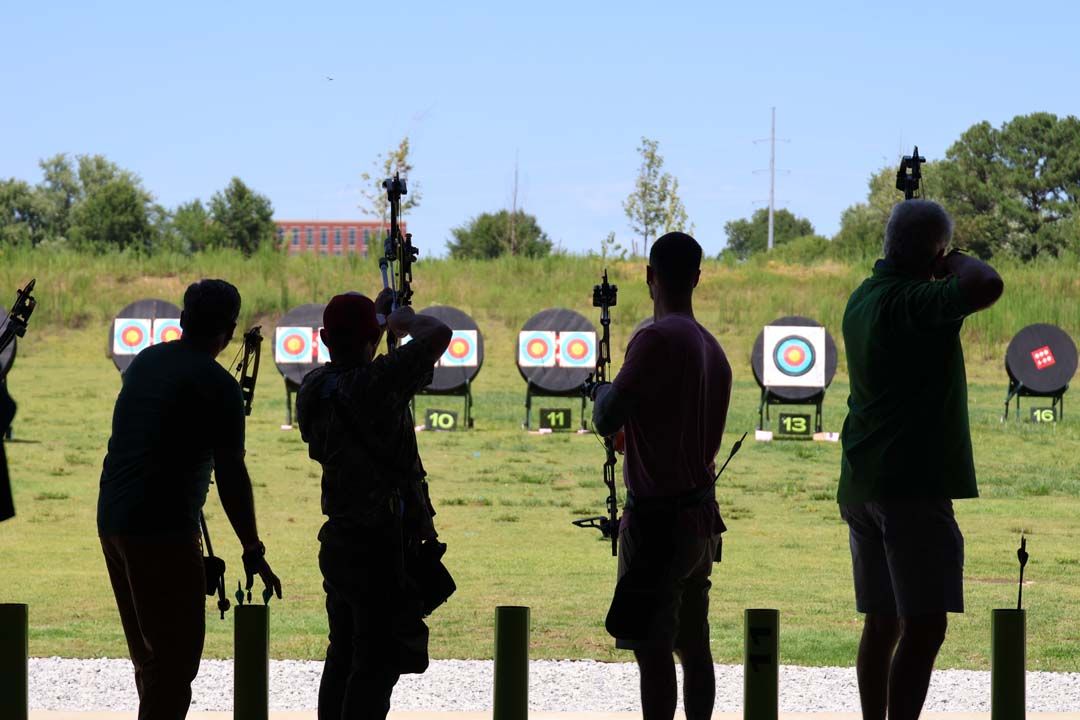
[{"x": 693, "y": 498}]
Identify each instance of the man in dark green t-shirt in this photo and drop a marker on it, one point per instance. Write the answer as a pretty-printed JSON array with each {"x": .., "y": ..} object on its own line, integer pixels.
[
  {"x": 178, "y": 416},
  {"x": 907, "y": 451}
]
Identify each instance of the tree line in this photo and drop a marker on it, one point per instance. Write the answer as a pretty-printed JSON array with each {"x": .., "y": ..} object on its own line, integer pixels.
[{"x": 1012, "y": 191}]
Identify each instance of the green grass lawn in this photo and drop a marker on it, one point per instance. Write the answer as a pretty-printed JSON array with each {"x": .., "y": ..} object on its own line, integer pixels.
[{"x": 505, "y": 498}]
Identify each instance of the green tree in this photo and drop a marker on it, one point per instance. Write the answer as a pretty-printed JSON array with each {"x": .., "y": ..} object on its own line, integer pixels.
[
  {"x": 23, "y": 213},
  {"x": 60, "y": 190},
  {"x": 488, "y": 236},
  {"x": 654, "y": 207},
  {"x": 384, "y": 166},
  {"x": 192, "y": 229},
  {"x": 748, "y": 236},
  {"x": 115, "y": 215},
  {"x": 244, "y": 219}
]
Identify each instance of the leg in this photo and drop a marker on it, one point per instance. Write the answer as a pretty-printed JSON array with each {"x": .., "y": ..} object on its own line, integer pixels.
[
  {"x": 339, "y": 653},
  {"x": 879, "y": 637},
  {"x": 699, "y": 680},
  {"x": 692, "y": 639},
  {"x": 920, "y": 641},
  {"x": 168, "y": 587},
  {"x": 658, "y": 687},
  {"x": 125, "y": 603}
]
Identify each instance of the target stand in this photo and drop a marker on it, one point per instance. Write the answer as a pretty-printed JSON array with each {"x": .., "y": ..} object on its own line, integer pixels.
[
  {"x": 1040, "y": 362},
  {"x": 794, "y": 362},
  {"x": 556, "y": 353},
  {"x": 298, "y": 350},
  {"x": 138, "y": 326},
  {"x": 460, "y": 364}
]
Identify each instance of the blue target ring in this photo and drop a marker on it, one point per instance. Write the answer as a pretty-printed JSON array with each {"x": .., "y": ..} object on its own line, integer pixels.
[{"x": 794, "y": 356}]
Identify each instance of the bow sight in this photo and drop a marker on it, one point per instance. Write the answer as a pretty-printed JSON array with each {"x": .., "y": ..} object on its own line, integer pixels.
[
  {"x": 909, "y": 174},
  {"x": 398, "y": 251},
  {"x": 605, "y": 296},
  {"x": 19, "y": 315}
]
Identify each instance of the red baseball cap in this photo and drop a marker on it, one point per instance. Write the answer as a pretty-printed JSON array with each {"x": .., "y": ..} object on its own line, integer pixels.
[{"x": 352, "y": 314}]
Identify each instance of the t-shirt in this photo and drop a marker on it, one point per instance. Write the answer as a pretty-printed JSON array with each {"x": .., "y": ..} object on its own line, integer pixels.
[
  {"x": 681, "y": 381},
  {"x": 358, "y": 426},
  {"x": 177, "y": 408},
  {"x": 906, "y": 434}
]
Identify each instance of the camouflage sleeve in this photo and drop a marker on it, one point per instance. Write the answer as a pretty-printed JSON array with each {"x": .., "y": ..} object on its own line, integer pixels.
[{"x": 394, "y": 378}]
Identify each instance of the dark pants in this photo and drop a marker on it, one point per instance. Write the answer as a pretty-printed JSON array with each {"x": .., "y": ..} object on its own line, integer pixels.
[
  {"x": 160, "y": 590},
  {"x": 375, "y": 630}
]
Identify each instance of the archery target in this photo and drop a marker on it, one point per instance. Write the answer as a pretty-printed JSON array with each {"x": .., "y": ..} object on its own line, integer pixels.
[
  {"x": 322, "y": 353},
  {"x": 794, "y": 356},
  {"x": 166, "y": 330},
  {"x": 1042, "y": 358},
  {"x": 131, "y": 335},
  {"x": 461, "y": 352},
  {"x": 293, "y": 344},
  {"x": 577, "y": 349},
  {"x": 536, "y": 348}
]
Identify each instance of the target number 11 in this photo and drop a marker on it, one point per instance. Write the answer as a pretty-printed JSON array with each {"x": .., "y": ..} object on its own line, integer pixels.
[{"x": 794, "y": 424}]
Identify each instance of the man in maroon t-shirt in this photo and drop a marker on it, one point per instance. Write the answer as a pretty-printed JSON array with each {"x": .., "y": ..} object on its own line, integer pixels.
[{"x": 670, "y": 400}]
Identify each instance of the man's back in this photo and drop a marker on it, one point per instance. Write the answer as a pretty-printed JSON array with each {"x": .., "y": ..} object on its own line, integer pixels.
[
  {"x": 680, "y": 379},
  {"x": 906, "y": 434},
  {"x": 176, "y": 407}
]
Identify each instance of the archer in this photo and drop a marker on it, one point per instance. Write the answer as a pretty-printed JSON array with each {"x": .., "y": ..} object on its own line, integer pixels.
[
  {"x": 14, "y": 326},
  {"x": 670, "y": 399},
  {"x": 178, "y": 416}
]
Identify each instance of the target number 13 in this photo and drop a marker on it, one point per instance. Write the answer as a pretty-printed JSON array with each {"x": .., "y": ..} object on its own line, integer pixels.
[{"x": 794, "y": 424}]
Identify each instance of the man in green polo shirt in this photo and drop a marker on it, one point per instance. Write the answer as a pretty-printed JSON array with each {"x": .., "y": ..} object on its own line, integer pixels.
[{"x": 907, "y": 451}]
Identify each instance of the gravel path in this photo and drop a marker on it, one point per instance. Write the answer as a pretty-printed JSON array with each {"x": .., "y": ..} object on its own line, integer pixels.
[{"x": 465, "y": 685}]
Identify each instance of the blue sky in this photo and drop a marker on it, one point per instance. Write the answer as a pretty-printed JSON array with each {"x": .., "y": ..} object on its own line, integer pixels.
[{"x": 190, "y": 94}]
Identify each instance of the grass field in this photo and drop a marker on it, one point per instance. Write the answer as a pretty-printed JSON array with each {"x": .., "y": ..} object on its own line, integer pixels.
[{"x": 506, "y": 498}]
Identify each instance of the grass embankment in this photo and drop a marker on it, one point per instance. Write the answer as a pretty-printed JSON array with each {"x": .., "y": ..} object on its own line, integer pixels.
[{"x": 505, "y": 498}]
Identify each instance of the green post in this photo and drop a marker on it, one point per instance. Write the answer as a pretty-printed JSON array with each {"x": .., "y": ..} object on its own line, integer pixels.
[
  {"x": 251, "y": 668},
  {"x": 1007, "y": 664},
  {"x": 14, "y": 651},
  {"x": 761, "y": 688},
  {"x": 511, "y": 663}
]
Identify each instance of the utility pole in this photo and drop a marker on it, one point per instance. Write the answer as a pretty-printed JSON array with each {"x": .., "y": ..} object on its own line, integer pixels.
[{"x": 772, "y": 176}]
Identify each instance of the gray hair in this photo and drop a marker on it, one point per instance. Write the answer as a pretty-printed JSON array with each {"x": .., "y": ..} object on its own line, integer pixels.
[{"x": 916, "y": 232}]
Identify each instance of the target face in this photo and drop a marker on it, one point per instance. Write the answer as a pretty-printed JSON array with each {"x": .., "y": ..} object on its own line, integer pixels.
[
  {"x": 294, "y": 345},
  {"x": 322, "y": 353},
  {"x": 536, "y": 348},
  {"x": 167, "y": 330},
  {"x": 131, "y": 335},
  {"x": 577, "y": 349},
  {"x": 461, "y": 352},
  {"x": 794, "y": 356},
  {"x": 1043, "y": 357}
]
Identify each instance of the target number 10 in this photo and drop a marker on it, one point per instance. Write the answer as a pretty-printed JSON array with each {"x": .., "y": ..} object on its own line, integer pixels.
[
  {"x": 440, "y": 420},
  {"x": 794, "y": 424}
]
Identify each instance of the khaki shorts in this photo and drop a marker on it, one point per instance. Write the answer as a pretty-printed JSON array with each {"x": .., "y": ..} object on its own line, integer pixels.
[{"x": 662, "y": 597}]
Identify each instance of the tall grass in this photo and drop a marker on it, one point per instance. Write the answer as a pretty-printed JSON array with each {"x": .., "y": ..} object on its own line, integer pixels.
[{"x": 77, "y": 290}]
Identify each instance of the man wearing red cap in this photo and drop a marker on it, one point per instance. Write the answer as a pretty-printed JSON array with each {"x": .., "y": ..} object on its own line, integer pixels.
[{"x": 354, "y": 414}]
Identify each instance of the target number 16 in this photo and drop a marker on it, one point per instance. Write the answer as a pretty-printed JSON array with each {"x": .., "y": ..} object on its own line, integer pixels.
[
  {"x": 794, "y": 424},
  {"x": 1044, "y": 415}
]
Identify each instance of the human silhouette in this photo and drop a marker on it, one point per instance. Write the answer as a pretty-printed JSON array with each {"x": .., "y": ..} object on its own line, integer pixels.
[
  {"x": 669, "y": 402},
  {"x": 7, "y": 414},
  {"x": 907, "y": 451},
  {"x": 178, "y": 416},
  {"x": 354, "y": 414}
]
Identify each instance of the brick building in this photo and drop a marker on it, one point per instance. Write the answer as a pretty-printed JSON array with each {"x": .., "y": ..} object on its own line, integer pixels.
[{"x": 330, "y": 237}]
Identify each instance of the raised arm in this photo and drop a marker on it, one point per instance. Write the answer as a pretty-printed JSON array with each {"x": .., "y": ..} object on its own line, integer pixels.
[
  {"x": 435, "y": 333},
  {"x": 979, "y": 284}
]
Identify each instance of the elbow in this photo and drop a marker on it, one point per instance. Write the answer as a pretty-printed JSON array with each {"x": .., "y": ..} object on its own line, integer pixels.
[{"x": 990, "y": 291}]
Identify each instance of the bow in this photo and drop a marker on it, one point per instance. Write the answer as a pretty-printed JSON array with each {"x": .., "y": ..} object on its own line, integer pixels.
[
  {"x": 246, "y": 362},
  {"x": 604, "y": 297},
  {"x": 18, "y": 316},
  {"x": 398, "y": 251},
  {"x": 909, "y": 174}
]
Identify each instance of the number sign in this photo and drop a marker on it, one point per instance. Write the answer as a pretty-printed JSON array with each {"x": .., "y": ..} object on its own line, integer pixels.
[
  {"x": 1044, "y": 414},
  {"x": 440, "y": 420},
  {"x": 555, "y": 418},
  {"x": 794, "y": 424}
]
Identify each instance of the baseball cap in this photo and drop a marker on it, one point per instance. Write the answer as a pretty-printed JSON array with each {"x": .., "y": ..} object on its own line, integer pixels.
[{"x": 352, "y": 314}]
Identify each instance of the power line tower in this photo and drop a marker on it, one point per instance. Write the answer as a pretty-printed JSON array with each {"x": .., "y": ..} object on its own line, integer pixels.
[{"x": 772, "y": 174}]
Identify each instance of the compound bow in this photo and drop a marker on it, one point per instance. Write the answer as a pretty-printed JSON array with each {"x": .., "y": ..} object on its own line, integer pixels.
[
  {"x": 398, "y": 252},
  {"x": 605, "y": 296},
  {"x": 14, "y": 326},
  {"x": 247, "y": 374},
  {"x": 909, "y": 174}
]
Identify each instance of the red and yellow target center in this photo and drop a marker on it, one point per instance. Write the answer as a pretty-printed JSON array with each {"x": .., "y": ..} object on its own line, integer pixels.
[
  {"x": 294, "y": 344},
  {"x": 537, "y": 348},
  {"x": 794, "y": 355},
  {"x": 577, "y": 349},
  {"x": 132, "y": 336},
  {"x": 459, "y": 348},
  {"x": 169, "y": 334}
]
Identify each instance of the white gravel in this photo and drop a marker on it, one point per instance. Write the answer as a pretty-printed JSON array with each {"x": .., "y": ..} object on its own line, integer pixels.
[{"x": 563, "y": 685}]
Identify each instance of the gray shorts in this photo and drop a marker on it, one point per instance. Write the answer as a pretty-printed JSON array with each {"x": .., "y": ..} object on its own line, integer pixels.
[{"x": 907, "y": 557}]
